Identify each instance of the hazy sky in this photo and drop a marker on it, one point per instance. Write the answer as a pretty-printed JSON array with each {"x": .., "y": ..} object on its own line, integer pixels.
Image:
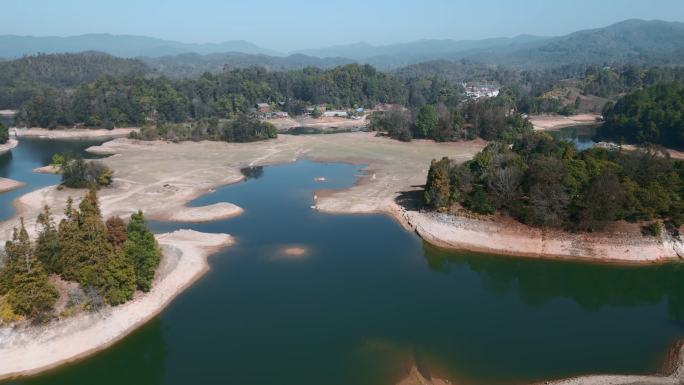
[{"x": 286, "y": 25}]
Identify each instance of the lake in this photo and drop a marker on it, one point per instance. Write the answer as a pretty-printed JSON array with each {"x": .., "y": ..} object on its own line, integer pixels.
[{"x": 370, "y": 299}]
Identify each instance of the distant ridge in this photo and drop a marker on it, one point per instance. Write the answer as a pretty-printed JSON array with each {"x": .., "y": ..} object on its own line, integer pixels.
[
  {"x": 13, "y": 46},
  {"x": 634, "y": 41}
]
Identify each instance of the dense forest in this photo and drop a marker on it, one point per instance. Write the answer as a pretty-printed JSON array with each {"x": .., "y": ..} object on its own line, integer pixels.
[
  {"x": 135, "y": 100},
  {"x": 651, "y": 115},
  {"x": 544, "y": 182},
  {"x": 109, "y": 260},
  {"x": 23, "y": 78}
]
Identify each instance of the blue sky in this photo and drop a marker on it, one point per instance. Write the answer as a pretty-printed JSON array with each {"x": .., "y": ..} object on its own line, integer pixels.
[{"x": 289, "y": 25}]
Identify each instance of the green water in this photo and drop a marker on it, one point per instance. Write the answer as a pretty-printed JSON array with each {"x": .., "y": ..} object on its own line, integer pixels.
[{"x": 371, "y": 299}]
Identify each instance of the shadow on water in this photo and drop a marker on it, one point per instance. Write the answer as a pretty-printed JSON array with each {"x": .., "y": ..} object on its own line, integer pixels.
[{"x": 370, "y": 298}]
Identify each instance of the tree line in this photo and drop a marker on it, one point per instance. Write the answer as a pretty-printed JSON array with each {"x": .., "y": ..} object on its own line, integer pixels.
[
  {"x": 109, "y": 260},
  {"x": 547, "y": 183},
  {"x": 137, "y": 100}
]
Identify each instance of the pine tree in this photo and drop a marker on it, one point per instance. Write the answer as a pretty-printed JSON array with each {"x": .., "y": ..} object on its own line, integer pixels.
[
  {"x": 24, "y": 280},
  {"x": 47, "y": 243},
  {"x": 142, "y": 250}
]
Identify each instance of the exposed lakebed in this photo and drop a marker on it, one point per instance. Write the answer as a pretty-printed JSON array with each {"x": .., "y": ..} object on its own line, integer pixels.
[{"x": 368, "y": 299}]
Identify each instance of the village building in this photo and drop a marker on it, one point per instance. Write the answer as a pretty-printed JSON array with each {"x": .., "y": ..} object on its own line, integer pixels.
[{"x": 263, "y": 108}]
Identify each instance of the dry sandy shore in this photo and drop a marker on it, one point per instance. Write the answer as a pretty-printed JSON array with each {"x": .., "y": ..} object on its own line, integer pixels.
[
  {"x": 32, "y": 350},
  {"x": 49, "y": 169},
  {"x": 8, "y": 146},
  {"x": 283, "y": 124},
  {"x": 9, "y": 184},
  {"x": 556, "y": 122},
  {"x": 217, "y": 211},
  {"x": 72, "y": 133}
]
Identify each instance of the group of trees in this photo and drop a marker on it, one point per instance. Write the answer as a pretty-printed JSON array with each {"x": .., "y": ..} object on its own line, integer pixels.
[
  {"x": 487, "y": 118},
  {"x": 244, "y": 128},
  {"x": 651, "y": 115},
  {"x": 79, "y": 173},
  {"x": 547, "y": 183},
  {"x": 109, "y": 260}
]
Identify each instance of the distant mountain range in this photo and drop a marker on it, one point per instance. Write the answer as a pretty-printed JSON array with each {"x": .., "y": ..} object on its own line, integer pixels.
[
  {"x": 631, "y": 41},
  {"x": 12, "y": 46}
]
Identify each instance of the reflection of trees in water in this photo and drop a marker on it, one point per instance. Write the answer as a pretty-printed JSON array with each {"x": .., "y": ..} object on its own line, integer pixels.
[
  {"x": 592, "y": 286},
  {"x": 252, "y": 172},
  {"x": 139, "y": 359}
]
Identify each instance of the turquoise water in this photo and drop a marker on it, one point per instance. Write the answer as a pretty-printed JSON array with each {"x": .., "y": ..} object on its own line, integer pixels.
[{"x": 371, "y": 299}]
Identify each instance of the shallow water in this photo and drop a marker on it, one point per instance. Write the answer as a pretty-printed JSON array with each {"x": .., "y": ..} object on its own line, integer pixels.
[
  {"x": 369, "y": 299},
  {"x": 582, "y": 136}
]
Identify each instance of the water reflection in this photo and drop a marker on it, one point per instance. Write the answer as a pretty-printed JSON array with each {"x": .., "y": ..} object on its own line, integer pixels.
[{"x": 592, "y": 286}]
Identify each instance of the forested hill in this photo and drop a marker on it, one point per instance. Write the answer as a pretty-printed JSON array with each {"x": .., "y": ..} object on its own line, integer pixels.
[
  {"x": 21, "y": 78},
  {"x": 193, "y": 65},
  {"x": 68, "y": 69},
  {"x": 638, "y": 42},
  {"x": 652, "y": 115}
]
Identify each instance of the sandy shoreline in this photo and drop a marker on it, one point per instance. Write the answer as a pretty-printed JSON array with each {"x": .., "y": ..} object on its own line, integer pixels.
[
  {"x": 49, "y": 169},
  {"x": 556, "y": 122},
  {"x": 29, "y": 351},
  {"x": 71, "y": 133},
  {"x": 9, "y": 184},
  {"x": 12, "y": 143}
]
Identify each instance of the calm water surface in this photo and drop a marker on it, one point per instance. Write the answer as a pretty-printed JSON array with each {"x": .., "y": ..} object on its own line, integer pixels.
[
  {"x": 19, "y": 163},
  {"x": 370, "y": 299}
]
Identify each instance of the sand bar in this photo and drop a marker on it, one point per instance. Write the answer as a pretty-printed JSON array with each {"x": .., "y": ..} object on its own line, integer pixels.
[
  {"x": 556, "y": 122},
  {"x": 9, "y": 184},
  {"x": 5, "y": 147},
  {"x": 72, "y": 133},
  {"x": 214, "y": 212},
  {"x": 49, "y": 169}
]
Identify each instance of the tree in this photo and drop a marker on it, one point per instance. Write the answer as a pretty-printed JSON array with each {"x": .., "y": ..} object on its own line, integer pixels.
[
  {"x": 437, "y": 188},
  {"x": 4, "y": 133},
  {"x": 426, "y": 121},
  {"x": 116, "y": 231},
  {"x": 142, "y": 251},
  {"x": 47, "y": 243}
]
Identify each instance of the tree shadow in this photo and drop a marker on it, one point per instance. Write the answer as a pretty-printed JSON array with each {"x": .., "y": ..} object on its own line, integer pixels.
[{"x": 411, "y": 200}]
